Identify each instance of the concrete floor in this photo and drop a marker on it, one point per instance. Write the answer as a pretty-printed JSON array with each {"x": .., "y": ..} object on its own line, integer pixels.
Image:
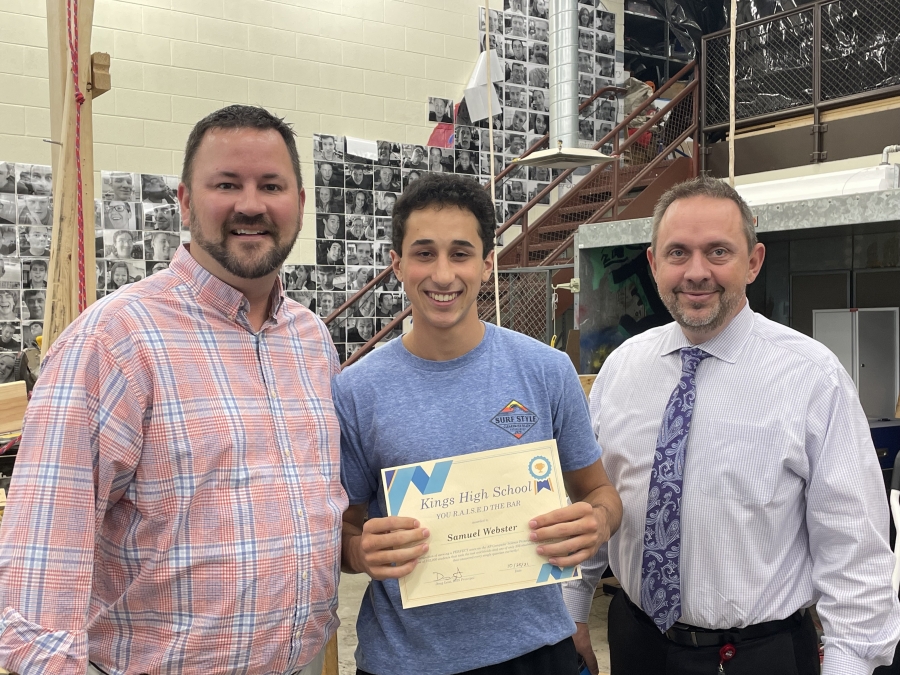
[{"x": 354, "y": 585}]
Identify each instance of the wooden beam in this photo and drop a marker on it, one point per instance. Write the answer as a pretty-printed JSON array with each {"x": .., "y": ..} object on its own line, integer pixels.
[{"x": 63, "y": 276}]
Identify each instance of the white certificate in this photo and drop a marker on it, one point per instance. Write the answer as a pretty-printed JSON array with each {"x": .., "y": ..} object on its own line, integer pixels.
[{"x": 477, "y": 508}]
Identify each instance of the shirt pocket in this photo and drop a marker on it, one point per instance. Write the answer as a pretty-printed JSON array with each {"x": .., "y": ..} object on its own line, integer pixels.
[{"x": 742, "y": 462}]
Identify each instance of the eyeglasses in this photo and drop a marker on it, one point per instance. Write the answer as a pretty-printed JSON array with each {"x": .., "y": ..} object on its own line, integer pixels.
[{"x": 118, "y": 208}]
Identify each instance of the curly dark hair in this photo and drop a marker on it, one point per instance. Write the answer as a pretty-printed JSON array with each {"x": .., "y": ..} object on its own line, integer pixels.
[
  {"x": 240, "y": 117},
  {"x": 445, "y": 189}
]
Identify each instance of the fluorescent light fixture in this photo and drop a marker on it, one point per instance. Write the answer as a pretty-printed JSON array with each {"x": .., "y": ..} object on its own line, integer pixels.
[{"x": 564, "y": 158}]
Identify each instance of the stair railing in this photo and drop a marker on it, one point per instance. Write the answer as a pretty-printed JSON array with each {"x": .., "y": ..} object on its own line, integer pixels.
[{"x": 521, "y": 240}]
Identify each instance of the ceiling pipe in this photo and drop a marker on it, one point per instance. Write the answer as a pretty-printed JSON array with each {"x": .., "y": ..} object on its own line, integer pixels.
[{"x": 564, "y": 73}]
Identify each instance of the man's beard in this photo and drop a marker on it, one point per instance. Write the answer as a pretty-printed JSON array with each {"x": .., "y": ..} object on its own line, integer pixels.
[
  {"x": 239, "y": 267},
  {"x": 716, "y": 315}
]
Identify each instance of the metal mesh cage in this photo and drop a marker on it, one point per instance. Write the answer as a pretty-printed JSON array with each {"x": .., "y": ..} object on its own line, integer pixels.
[
  {"x": 526, "y": 300},
  {"x": 773, "y": 69},
  {"x": 860, "y": 47}
]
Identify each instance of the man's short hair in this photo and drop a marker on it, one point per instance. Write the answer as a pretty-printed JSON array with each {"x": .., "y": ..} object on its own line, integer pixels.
[
  {"x": 704, "y": 186},
  {"x": 123, "y": 233},
  {"x": 445, "y": 189},
  {"x": 240, "y": 117},
  {"x": 38, "y": 263}
]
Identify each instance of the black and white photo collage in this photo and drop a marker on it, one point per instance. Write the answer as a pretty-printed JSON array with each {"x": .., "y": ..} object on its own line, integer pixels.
[
  {"x": 596, "y": 69},
  {"x": 355, "y": 196},
  {"x": 520, "y": 35},
  {"x": 137, "y": 227},
  {"x": 26, "y": 217}
]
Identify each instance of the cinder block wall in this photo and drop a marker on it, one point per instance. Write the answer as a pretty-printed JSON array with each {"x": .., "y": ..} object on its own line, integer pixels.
[{"x": 361, "y": 68}]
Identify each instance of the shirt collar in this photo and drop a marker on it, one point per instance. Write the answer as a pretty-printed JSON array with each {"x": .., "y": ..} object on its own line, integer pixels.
[
  {"x": 726, "y": 346},
  {"x": 214, "y": 292}
]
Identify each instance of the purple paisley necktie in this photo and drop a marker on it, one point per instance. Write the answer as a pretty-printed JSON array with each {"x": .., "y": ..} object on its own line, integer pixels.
[{"x": 660, "y": 570}]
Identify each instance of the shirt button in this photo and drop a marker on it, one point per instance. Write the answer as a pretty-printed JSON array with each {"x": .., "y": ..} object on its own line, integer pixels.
[
  {"x": 298, "y": 634},
  {"x": 273, "y": 393},
  {"x": 305, "y": 574},
  {"x": 300, "y": 512}
]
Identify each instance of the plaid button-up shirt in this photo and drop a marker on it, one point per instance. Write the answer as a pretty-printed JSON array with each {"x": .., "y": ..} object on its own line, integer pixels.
[{"x": 176, "y": 504}]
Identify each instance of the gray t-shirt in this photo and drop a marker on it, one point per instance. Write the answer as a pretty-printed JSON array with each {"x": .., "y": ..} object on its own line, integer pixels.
[{"x": 396, "y": 408}]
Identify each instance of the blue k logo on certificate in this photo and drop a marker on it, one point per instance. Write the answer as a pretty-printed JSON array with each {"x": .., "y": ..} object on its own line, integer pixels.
[{"x": 477, "y": 507}]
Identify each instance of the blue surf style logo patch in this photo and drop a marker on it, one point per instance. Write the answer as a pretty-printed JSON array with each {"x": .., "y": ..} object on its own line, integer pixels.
[{"x": 515, "y": 418}]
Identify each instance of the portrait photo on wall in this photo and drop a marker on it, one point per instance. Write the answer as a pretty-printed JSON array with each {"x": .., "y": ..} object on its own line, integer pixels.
[
  {"x": 13, "y": 269},
  {"x": 407, "y": 176},
  {"x": 464, "y": 163},
  {"x": 387, "y": 179},
  {"x": 121, "y": 215},
  {"x": 329, "y": 174},
  {"x": 328, "y": 147},
  {"x": 35, "y": 210},
  {"x": 384, "y": 230},
  {"x": 496, "y": 20},
  {"x": 538, "y": 30},
  {"x": 159, "y": 189},
  {"x": 539, "y": 8},
  {"x": 122, "y": 245},
  {"x": 415, "y": 157},
  {"x": 516, "y": 73},
  {"x": 329, "y": 252},
  {"x": 120, "y": 272},
  {"x": 388, "y": 153},
  {"x": 120, "y": 186},
  {"x": 365, "y": 306},
  {"x": 10, "y": 336},
  {"x": 358, "y": 202},
  {"x": 440, "y": 110},
  {"x": 384, "y": 202},
  {"x": 298, "y": 277},
  {"x": 517, "y": 6},
  {"x": 160, "y": 246},
  {"x": 539, "y": 53},
  {"x": 34, "y": 241},
  {"x": 538, "y": 124},
  {"x": 330, "y": 226},
  {"x": 515, "y": 49},
  {"x": 440, "y": 160},
  {"x": 360, "y": 253},
  {"x": 32, "y": 179},
  {"x": 161, "y": 217},
  {"x": 515, "y": 120},
  {"x": 329, "y": 200},
  {"x": 467, "y": 138},
  {"x": 514, "y": 25},
  {"x": 358, "y": 176},
  {"x": 304, "y": 297},
  {"x": 8, "y": 215},
  {"x": 361, "y": 228},
  {"x": 606, "y": 21},
  {"x": 155, "y": 266}
]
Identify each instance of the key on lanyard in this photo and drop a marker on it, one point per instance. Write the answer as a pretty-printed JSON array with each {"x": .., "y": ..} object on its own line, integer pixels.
[{"x": 726, "y": 654}]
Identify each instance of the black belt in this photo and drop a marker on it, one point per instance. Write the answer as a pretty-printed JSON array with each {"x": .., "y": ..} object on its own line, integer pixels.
[{"x": 693, "y": 636}]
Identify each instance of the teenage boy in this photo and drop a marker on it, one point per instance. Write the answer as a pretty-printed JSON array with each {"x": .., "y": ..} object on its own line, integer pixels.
[{"x": 455, "y": 373}]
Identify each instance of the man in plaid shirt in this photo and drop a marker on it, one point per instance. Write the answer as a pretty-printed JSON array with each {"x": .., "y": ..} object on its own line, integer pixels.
[{"x": 176, "y": 503}]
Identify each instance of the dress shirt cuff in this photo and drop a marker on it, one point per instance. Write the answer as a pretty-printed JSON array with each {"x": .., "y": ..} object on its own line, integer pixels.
[
  {"x": 838, "y": 662},
  {"x": 26, "y": 647},
  {"x": 578, "y": 596}
]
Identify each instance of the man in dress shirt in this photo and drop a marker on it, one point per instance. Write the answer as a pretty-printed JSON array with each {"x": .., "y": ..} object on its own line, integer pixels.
[
  {"x": 184, "y": 504},
  {"x": 783, "y": 505}
]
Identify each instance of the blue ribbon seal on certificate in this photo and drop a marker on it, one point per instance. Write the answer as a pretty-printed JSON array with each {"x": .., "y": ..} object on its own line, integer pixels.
[{"x": 540, "y": 469}]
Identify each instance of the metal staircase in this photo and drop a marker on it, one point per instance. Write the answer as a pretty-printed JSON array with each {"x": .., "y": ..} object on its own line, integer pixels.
[{"x": 649, "y": 158}]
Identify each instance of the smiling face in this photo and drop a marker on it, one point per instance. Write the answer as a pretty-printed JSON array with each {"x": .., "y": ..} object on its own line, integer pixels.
[
  {"x": 442, "y": 270},
  {"x": 335, "y": 253},
  {"x": 702, "y": 265},
  {"x": 328, "y": 147},
  {"x": 332, "y": 225},
  {"x": 162, "y": 247},
  {"x": 388, "y": 203},
  {"x": 244, "y": 206},
  {"x": 37, "y": 274},
  {"x": 122, "y": 185},
  {"x": 123, "y": 244},
  {"x": 359, "y": 202},
  {"x": 385, "y": 176},
  {"x": 7, "y": 304},
  {"x": 7, "y": 364},
  {"x": 120, "y": 275}
]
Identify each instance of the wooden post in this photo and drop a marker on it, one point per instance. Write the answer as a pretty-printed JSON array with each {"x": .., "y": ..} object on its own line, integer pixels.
[{"x": 63, "y": 277}]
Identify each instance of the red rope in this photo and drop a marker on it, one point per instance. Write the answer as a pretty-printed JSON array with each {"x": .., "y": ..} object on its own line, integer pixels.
[{"x": 72, "y": 27}]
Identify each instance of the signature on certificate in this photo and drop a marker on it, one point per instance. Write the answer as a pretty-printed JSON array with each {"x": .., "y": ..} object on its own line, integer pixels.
[{"x": 455, "y": 576}]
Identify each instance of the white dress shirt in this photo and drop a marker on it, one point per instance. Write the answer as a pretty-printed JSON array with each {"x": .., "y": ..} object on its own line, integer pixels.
[{"x": 784, "y": 504}]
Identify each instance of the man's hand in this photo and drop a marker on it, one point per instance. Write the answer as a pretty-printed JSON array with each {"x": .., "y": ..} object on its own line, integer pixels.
[
  {"x": 385, "y": 548},
  {"x": 582, "y": 640},
  {"x": 580, "y": 529}
]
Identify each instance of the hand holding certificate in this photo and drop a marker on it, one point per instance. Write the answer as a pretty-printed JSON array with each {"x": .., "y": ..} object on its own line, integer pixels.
[{"x": 484, "y": 513}]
